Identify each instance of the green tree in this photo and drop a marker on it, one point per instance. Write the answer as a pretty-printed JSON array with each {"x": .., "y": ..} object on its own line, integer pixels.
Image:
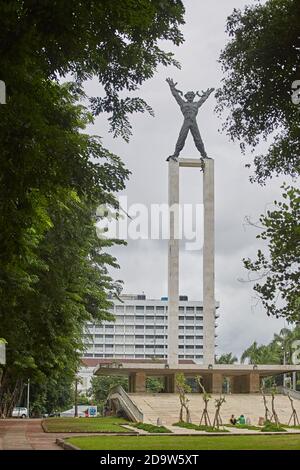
[
  {"x": 227, "y": 358},
  {"x": 256, "y": 354},
  {"x": 183, "y": 388},
  {"x": 54, "y": 270},
  {"x": 101, "y": 386},
  {"x": 260, "y": 63},
  {"x": 278, "y": 272},
  {"x": 154, "y": 384},
  {"x": 118, "y": 42}
]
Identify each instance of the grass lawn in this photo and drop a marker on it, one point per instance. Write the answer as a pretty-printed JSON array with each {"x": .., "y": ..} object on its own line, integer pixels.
[
  {"x": 260, "y": 442},
  {"x": 105, "y": 424}
]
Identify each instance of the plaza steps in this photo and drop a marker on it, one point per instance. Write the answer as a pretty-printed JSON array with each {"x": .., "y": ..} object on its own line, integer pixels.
[{"x": 166, "y": 407}]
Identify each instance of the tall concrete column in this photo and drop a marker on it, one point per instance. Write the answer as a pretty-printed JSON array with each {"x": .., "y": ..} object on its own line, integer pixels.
[
  {"x": 173, "y": 264},
  {"x": 209, "y": 305},
  {"x": 140, "y": 382},
  {"x": 170, "y": 383},
  {"x": 213, "y": 383},
  {"x": 248, "y": 383}
]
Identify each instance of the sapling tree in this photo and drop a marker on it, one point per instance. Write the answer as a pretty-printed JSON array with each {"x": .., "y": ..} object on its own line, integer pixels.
[
  {"x": 294, "y": 415},
  {"x": 183, "y": 388},
  {"x": 217, "y": 419},
  {"x": 206, "y": 397},
  {"x": 274, "y": 416},
  {"x": 267, "y": 411}
]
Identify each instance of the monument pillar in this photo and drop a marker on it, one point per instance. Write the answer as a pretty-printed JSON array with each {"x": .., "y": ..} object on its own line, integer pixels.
[
  {"x": 209, "y": 304},
  {"x": 173, "y": 263}
]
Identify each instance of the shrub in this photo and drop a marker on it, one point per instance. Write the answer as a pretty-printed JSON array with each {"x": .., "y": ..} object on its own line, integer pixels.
[
  {"x": 152, "y": 428},
  {"x": 272, "y": 427},
  {"x": 202, "y": 427}
]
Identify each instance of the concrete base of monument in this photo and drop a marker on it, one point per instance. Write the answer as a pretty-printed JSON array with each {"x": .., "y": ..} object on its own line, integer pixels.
[{"x": 243, "y": 378}]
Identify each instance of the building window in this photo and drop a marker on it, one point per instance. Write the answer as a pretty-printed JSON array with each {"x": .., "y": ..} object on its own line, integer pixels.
[
  {"x": 129, "y": 329},
  {"x": 180, "y": 346},
  {"x": 120, "y": 329},
  {"x": 199, "y": 347},
  {"x": 139, "y": 346},
  {"x": 149, "y": 307},
  {"x": 190, "y": 309},
  {"x": 139, "y": 327},
  {"x": 119, "y": 308},
  {"x": 139, "y": 308},
  {"x": 181, "y": 318},
  {"x": 160, "y": 308}
]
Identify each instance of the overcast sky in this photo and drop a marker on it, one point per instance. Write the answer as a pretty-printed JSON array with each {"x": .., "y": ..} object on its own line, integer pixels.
[{"x": 144, "y": 262}]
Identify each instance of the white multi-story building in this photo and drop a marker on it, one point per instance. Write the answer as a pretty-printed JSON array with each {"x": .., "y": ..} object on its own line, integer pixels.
[{"x": 140, "y": 330}]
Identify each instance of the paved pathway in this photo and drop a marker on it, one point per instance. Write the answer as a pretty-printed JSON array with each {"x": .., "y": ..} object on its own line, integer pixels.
[{"x": 26, "y": 434}]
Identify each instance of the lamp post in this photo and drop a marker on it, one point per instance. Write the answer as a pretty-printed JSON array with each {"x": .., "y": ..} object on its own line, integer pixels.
[
  {"x": 76, "y": 398},
  {"x": 28, "y": 397}
]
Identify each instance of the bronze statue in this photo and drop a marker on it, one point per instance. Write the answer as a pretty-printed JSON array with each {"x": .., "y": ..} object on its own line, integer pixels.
[{"x": 189, "y": 109}]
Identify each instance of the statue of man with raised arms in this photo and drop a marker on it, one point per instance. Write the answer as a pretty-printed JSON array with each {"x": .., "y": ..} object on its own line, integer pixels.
[{"x": 189, "y": 109}]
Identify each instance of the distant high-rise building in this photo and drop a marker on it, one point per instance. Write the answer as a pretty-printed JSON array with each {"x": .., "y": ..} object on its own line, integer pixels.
[{"x": 140, "y": 330}]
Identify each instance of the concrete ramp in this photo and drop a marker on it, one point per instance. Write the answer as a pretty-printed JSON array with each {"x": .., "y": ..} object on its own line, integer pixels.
[{"x": 166, "y": 407}]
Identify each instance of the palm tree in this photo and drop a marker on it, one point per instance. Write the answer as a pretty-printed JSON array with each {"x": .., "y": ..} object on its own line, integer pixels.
[
  {"x": 251, "y": 353},
  {"x": 228, "y": 358},
  {"x": 261, "y": 354}
]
